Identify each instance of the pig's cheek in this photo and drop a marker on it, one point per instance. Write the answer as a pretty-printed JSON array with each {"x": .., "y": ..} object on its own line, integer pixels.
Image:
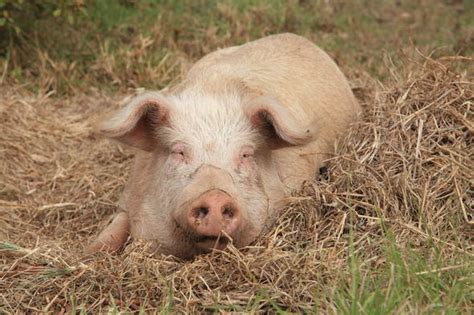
[
  {"x": 178, "y": 172},
  {"x": 171, "y": 170},
  {"x": 178, "y": 159},
  {"x": 244, "y": 163},
  {"x": 176, "y": 162},
  {"x": 247, "y": 165},
  {"x": 246, "y": 170}
]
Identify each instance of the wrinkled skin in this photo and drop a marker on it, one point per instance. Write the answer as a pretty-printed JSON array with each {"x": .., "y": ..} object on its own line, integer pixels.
[{"x": 218, "y": 154}]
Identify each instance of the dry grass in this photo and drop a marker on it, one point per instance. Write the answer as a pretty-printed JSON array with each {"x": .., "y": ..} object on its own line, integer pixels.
[{"x": 401, "y": 179}]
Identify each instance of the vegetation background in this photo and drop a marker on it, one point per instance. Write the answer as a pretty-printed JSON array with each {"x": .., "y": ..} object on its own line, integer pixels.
[
  {"x": 389, "y": 229},
  {"x": 119, "y": 44}
]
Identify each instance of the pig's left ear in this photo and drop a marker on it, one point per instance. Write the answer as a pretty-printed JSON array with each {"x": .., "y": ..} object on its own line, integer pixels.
[
  {"x": 135, "y": 124},
  {"x": 277, "y": 124}
]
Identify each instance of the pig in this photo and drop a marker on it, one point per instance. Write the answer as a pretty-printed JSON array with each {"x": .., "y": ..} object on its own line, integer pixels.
[{"x": 218, "y": 155}]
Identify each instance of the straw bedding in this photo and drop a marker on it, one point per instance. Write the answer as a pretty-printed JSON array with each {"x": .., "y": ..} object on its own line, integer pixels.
[{"x": 406, "y": 168}]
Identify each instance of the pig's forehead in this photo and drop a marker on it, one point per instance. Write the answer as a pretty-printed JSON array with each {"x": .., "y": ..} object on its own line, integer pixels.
[{"x": 201, "y": 119}]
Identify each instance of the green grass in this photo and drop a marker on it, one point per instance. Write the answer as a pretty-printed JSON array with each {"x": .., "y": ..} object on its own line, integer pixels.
[
  {"x": 358, "y": 34},
  {"x": 410, "y": 280}
]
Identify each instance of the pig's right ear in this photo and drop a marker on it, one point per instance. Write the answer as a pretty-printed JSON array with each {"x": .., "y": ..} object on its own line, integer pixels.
[
  {"x": 135, "y": 124},
  {"x": 278, "y": 125}
]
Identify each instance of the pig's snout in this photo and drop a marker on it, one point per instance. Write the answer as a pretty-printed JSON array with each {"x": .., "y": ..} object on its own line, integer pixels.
[{"x": 213, "y": 214}]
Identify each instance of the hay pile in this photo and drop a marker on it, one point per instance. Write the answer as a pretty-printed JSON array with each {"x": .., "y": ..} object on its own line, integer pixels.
[{"x": 406, "y": 168}]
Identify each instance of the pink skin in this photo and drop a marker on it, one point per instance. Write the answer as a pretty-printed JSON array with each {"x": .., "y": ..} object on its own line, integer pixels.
[{"x": 214, "y": 217}]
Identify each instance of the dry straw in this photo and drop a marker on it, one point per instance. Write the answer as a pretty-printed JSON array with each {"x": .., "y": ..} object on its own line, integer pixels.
[{"x": 407, "y": 167}]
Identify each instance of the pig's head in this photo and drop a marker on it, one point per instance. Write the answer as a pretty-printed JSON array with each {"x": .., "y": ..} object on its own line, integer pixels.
[{"x": 206, "y": 176}]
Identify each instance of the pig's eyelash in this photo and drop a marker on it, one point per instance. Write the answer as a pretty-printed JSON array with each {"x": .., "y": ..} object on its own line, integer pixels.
[{"x": 180, "y": 152}]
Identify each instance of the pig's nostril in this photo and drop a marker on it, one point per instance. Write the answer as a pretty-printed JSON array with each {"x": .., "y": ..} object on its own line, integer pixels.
[
  {"x": 228, "y": 212},
  {"x": 201, "y": 212}
]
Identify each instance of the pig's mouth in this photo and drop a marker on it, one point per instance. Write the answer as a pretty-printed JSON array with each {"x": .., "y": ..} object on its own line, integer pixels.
[
  {"x": 205, "y": 242},
  {"x": 209, "y": 242}
]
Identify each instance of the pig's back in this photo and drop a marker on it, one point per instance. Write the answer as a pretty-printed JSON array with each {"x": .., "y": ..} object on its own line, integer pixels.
[{"x": 289, "y": 67}]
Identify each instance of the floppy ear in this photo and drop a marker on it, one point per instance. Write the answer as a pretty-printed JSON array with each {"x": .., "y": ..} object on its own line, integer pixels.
[
  {"x": 136, "y": 122},
  {"x": 277, "y": 124},
  {"x": 113, "y": 237}
]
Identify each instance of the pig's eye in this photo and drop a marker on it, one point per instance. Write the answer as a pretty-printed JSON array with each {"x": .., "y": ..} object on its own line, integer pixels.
[
  {"x": 246, "y": 155},
  {"x": 178, "y": 152},
  {"x": 246, "y": 152}
]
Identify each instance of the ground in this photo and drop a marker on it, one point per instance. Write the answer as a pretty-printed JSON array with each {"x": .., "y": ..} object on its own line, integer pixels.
[{"x": 387, "y": 229}]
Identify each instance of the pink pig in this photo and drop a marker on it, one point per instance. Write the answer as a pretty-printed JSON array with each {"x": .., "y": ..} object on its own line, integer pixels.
[{"x": 219, "y": 153}]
